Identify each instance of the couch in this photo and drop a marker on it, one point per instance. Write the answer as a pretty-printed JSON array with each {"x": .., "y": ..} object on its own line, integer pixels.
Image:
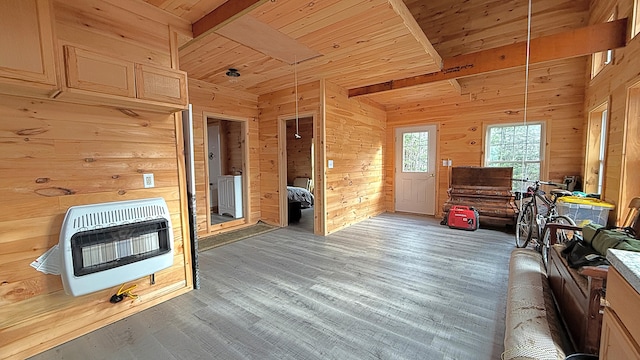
[{"x": 533, "y": 329}]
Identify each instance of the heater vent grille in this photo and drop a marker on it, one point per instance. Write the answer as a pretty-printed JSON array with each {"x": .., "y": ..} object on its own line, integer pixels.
[
  {"x": 118, "y": 216},
  {"x": 103, "y": 245}
]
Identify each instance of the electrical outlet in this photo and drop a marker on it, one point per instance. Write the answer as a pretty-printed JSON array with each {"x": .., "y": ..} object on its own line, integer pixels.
[
  {"x": 148, "y": 180},
  {"x": 330, "y": 165}
]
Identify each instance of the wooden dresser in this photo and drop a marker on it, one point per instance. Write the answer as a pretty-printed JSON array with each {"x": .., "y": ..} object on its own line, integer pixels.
[{"x": 487, "y": 189}]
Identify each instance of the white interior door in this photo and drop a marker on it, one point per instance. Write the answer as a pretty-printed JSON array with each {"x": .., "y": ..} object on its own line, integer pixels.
[{"x": 415, "y": 178}]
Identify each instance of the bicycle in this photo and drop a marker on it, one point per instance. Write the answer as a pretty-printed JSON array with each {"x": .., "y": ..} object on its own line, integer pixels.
[{"x": 536, "y": 213}]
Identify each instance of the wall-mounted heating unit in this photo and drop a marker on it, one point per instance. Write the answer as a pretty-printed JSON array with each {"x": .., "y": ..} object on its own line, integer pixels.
[{"x": 108, "y": 244}]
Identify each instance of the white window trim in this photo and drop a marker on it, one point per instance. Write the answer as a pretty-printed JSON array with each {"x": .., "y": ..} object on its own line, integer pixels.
[
  {"x": 543, "y": 141},
  {"x": 635, "y": 24}
]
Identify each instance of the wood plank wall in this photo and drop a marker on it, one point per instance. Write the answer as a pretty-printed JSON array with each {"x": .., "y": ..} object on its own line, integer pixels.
[
  {"x": 556, "y": 91},
  {"x": 355, "y": 141},
  {"x": 299, "y": 161},
  {"x": 614, "y": 84},
  {"x": 209, "y": 99},
  {"x": 233, "y": 148},
  {"x": 54, "y": 155},
  {"x": 275, "y": 107}
]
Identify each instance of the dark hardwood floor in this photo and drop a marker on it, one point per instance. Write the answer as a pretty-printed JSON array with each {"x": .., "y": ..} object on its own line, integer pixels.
[{"x": 391, "y": 287}]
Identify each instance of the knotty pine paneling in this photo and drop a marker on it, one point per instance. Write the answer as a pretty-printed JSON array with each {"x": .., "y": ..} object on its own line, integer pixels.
[
  {"x": 355, "y": 141},
  {"x": 107, "y": 28},
  {"x": 55, "y": 154},
  {"x": 233, "y": 147},
  {"x": 556, "y": 96},
  {"x": 458, "y": 27},
  {"x": 218, "y": 101},
  {"x": 615, "y": 83},
  {"x": 299, "y": 160},
  {"x": 274, "y": 107},
  {"x": 81, "y": 155}
]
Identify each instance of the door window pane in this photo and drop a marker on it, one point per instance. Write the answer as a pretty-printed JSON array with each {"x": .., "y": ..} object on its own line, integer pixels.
[{"x": 415, "y": 151}]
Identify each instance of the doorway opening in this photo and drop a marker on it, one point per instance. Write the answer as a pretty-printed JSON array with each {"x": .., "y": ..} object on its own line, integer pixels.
[
  {"x": 299, "y": 173},
  {"x": 226, "y": 154}
]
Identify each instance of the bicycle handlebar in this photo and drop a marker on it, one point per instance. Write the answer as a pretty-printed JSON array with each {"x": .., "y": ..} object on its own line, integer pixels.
[{"x": 539, "y": 182}]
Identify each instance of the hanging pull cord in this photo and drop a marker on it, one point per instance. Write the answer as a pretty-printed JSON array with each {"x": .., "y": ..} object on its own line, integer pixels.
[
  {"x": 122, "y": 292},
  {"x": 526, "y": 92},
  {"x": 295, "y": 80}
]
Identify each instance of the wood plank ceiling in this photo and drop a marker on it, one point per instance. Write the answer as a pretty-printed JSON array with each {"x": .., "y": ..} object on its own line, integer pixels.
[
  {"x": 359, "y": 42},
  {"x": 355, "y": 43}
]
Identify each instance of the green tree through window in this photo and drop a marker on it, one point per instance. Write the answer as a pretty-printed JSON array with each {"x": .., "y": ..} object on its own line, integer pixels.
[
  {"x": 517, "y": 146},
  {"x": 415, "y": 152}
]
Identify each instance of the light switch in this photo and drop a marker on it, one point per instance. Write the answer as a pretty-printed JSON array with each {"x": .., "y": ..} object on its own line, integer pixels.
[
  {"x": 330, "y": 164},
  {"x": 148, "y": 180}
]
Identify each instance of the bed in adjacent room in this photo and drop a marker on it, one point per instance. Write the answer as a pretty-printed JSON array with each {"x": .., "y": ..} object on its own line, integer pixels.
[{"x": 302, "y": 195}]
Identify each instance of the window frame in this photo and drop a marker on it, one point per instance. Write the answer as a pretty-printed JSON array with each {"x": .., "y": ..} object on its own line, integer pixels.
[
  {"x": 635, "y": 23},
  {"x": 426, "y": 147},
  {"x": 596, "y": 157},
  {"x": 543, "y": 143},
  {"x": 600, "y": 60}
]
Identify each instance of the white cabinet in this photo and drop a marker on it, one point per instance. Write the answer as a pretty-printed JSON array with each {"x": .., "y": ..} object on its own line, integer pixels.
[{"x": 230, "y": 195}]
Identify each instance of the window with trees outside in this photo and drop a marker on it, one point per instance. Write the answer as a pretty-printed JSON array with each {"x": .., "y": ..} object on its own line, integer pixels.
[
  {"x": 415, "y": 152},
  {"x": 516, "y": 145}
]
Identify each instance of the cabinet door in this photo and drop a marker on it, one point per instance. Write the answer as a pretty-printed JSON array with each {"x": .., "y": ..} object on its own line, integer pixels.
[
  {"x": 98, "y": 73},
  {"x": 616, "y": 342},
  {"x": 26, "y": 41},
  {"x": 162, "y": 85}
]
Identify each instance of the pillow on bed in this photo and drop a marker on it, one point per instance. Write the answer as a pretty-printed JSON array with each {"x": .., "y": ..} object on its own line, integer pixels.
[{"x": 304, "y": 183}]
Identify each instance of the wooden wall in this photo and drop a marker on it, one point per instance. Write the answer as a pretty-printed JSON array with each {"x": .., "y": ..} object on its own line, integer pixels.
[
  {"x": 618, "y": 84},
  {"x": 355, "y": 141},
  {"x": 54, "y": 155},
  {"x": 233, "y": 147},
  {"x": 555, "y": 96},
  {"x": 274, "y": 107},
  {"x": 299, "y": 161},
  {"x": 556, "y": 90},
  {"x": 221, "y": 102}
]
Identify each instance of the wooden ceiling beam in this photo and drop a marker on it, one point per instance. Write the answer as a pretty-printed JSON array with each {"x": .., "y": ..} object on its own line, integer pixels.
[
  {"x": 222, "y": 15},
  {"x": 584, "y": 41},
  {"x": 412, "y": 25}
]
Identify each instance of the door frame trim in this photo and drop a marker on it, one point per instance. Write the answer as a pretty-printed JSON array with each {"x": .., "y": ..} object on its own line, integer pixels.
[
  {"x": 283, "y": 203},
  {"x": 246, "y": 176},
  {"x": 437, "y": 210}
]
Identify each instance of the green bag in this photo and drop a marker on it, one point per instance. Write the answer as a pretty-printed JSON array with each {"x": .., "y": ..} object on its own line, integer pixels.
[{"x": 602, "y": 238}]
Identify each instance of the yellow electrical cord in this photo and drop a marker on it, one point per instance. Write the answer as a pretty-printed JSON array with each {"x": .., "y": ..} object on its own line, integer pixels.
[{"x": 127, "y": 292}]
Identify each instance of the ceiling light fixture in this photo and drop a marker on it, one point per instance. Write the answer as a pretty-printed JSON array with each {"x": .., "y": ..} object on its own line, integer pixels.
[{"x": 233, "y": 73}]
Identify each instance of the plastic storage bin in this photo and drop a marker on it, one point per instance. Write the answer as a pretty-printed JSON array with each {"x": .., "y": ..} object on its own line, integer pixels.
[{"x": 584, "y": 210}]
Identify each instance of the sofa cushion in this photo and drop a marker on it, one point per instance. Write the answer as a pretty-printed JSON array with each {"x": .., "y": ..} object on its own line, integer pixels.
[{"x": 533, "y": 329}]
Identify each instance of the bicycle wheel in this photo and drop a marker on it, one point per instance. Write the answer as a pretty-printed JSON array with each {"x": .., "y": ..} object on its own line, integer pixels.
[
  {"x": 562, "y": 236},
  {"x": 524, "y": 226}
]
